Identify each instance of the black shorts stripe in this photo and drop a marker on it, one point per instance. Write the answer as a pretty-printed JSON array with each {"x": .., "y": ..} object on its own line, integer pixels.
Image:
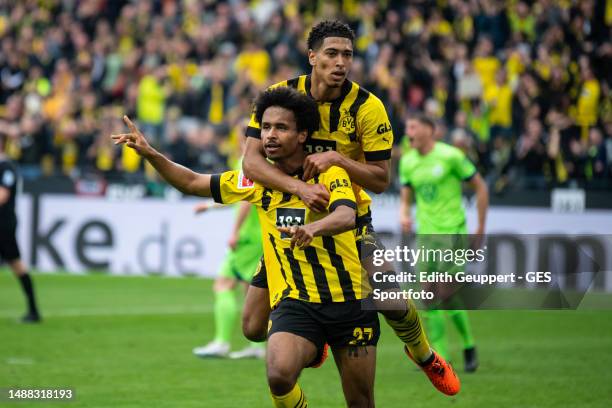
[
  {"x": 343, "y": 275},
  {"x": 293, "y": 83},
  {"x": 319, "y": 274},
  {"x": 362, "y": 96},
  {"x": 215, "y": 188},
  {"x": 377, "y": 155},
  {"x": 334, "y": 111},
  {"x": 296, "y": 273},
  {"x": 253, "y": 132}
]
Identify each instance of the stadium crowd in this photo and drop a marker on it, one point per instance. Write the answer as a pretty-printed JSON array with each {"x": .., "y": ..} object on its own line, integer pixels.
[{"x": 524, "y": 87}]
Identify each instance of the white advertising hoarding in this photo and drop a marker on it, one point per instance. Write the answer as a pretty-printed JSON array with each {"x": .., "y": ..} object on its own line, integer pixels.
[
  {"x": 517, "y": 220},
  {"x": 124, "y": 237},
  {"x": 153, "y": 236}
]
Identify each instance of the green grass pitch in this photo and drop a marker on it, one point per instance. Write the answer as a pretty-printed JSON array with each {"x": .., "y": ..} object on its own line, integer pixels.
[{"x": 126, "y": 342}]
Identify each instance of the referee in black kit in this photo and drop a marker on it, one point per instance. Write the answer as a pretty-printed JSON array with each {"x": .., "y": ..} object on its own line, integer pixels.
[{"x": 9, "y": 251}]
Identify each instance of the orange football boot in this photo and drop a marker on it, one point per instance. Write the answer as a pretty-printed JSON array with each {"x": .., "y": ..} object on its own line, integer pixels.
[{"x": 440, "y": 373}]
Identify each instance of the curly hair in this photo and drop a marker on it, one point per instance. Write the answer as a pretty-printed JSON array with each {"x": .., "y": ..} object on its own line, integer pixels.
[
  {"x": 328, "y": 28},
  {"x": 305, "y": 109}
]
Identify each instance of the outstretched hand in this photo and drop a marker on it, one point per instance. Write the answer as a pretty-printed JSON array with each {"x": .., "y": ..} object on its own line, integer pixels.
[{"x": 135, "y": 139}]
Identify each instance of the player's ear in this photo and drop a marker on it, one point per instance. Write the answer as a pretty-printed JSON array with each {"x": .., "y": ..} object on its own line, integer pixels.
[
  {"x": 302, "y": 136},
  {"x": 312, "y": 57}
]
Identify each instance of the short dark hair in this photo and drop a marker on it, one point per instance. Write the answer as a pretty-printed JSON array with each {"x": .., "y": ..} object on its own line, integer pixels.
[
  {"x": 328, "y": 28},
  {"x": 423, "y": 119},
  {"x": 305, "y": 109}
]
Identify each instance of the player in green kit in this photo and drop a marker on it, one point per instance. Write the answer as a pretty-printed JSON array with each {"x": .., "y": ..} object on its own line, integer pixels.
[
  {"x": 434, "y": 172},
  {"x": 239, "y": 266}
]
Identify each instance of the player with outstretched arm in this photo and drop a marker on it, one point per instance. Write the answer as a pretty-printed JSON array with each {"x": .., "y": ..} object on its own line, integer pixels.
[{"x": 312, "y": 264}]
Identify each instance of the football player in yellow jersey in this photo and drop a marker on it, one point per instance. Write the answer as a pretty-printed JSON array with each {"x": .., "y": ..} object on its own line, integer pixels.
[
  {"x": 354, "y": 134},
  {"x": 312, "y": 264}
]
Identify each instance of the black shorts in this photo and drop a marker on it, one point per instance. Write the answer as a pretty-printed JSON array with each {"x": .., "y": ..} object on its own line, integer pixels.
[
  {"x": 9, "y": 251},
  {"x": 340, "y": 324}
]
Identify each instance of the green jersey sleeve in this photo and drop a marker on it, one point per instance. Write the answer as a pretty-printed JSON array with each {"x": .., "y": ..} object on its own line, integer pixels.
[
  {"x": 462, "y": 166},
  {"x": 404, "y": 171}
]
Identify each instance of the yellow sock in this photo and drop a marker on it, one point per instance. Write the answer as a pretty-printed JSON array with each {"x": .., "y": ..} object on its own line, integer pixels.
[
  {"x": 294, "y": 399},
  {"x": 410, "y": 330}
]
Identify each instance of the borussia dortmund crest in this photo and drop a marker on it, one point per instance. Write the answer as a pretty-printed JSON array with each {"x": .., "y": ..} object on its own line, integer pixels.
[{"x": 347, "y": 122}]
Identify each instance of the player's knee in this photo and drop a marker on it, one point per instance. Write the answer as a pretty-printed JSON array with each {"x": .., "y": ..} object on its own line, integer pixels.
[
  {"x": 281, "y": 379},
  {"x": 252, "y": 328}
]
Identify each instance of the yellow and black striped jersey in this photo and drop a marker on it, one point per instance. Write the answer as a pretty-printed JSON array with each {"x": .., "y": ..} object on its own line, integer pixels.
[
  {"x": 329, "y": 269},
  {"x": 355, "y": 125}
]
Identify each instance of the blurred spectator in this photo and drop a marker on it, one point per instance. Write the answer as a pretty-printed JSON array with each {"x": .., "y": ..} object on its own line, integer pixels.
[
  {"x": 254, "y": 61},
  {"x": 498, "y": 96},
  {"x": 177, "y": 148},
  {"x": 152, "y": 103},
  {"x": 205, "y": 142},
  {"x": 488, "y": 71},
  {"x": 522, "y": 21},
  {"x": 597, "y": 160},
  {"x": 588, "y": 101},
  {"x": 531, "y": 155}
]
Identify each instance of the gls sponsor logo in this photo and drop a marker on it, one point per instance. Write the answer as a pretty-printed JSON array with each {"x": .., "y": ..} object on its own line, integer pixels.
[
  {"x": 338, "y": 183},
  {"x": 383, "y": 128}
]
